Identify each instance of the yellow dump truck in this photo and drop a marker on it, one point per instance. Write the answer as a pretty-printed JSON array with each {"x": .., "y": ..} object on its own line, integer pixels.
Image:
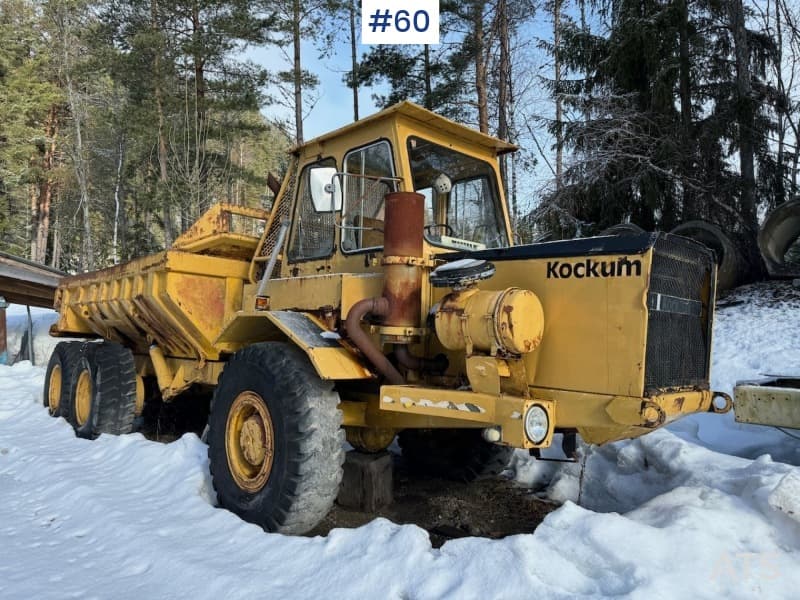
[{"x": 383, "y": 296}]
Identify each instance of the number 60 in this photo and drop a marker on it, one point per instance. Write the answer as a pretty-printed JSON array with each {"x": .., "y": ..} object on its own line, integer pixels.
[{"x": 402, "y": 23}]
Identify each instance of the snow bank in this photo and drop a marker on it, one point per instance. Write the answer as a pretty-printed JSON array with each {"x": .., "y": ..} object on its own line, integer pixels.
[{"x": 662, "y": 516}]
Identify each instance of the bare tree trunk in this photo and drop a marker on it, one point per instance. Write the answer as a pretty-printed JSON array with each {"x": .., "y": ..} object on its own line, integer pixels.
[
  {"x": 780, "y": 189},
  {"x": 42, "y": 191},
  {"x": 426, "y": 54},
  {"x": 746, "y": 121},
  {"x": 559, "y": 99},
  {"x": 55, "y": 256},
  {"x": 353, "y": 56},
  {"x": 33, "y": 217},
  {"x": 118, "y": 199},
  {"x": 503, "y": 84},
  {"x": 745, "y": 114},
  {"x": 480, "y": 68},
  {"x": 80, "y": 166},
  {"x": 298, "y": 74},
  {"x": 689, "y": 209},
  {"x": 200, "y": 125},
  {"x": 161, "y": 190}
]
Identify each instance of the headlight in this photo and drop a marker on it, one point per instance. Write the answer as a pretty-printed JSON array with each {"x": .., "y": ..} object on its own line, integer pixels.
[{"x": 537, "y": 424}]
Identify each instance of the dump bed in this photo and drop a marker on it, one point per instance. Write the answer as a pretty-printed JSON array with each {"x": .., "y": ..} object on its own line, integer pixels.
[{"x": 178, "y": 299}]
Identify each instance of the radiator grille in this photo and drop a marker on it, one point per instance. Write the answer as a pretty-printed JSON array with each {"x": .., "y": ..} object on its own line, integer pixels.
[{"x": 678, "y": 330}]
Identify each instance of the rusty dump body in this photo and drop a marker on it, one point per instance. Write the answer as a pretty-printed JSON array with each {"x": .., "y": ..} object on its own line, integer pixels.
[
  {"x": 169, "y": 308},
  {"x": 609, "y": 337},
  {"x": 173, "y": 299}
]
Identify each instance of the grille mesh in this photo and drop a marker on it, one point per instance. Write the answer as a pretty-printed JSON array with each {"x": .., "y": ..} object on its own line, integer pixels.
[
  {"x": 677, "y": 342},
  {"x": 281, "y": 213}
]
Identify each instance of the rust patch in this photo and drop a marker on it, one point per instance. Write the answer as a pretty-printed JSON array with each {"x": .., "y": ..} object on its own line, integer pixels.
[
  {"x": 677, "y": 403},
  {"x": 508, "y": 309},
  {"x": 203, "y": 298},
  {"x": 403, "y": 229}
]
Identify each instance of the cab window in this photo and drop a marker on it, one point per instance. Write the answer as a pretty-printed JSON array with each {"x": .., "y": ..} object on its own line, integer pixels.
[
  {"x": 364, "y": 189},
  {"x": 313, "y": 227},
  {"x": 462, "y": 199}
]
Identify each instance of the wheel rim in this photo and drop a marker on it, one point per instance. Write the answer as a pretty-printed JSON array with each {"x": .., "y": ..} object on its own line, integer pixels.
[
  {"x": 54, "y": 390},
  {"x": 249, "y": 441},
  {"x": 83, "y": 397}
]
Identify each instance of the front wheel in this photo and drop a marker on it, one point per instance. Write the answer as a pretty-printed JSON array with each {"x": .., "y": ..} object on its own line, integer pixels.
[{"x": 275, "y": 439}]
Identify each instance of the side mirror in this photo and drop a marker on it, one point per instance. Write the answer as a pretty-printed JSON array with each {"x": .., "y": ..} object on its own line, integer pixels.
[{"x": 325, "y": 188}]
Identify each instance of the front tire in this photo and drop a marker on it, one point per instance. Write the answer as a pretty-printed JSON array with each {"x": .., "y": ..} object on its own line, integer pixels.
[{"x": 275, "y": 439}]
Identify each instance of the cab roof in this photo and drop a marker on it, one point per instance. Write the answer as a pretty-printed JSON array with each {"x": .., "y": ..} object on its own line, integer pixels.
[{"x": 428, "y": 119}]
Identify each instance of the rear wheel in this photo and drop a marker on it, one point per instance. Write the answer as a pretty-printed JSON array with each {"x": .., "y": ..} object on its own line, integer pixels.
[
  {"x": 103, "y": 391},
  {"x": 457, "y": 454},
  {"x": 275, "y": 439},
  {"x": 57, "y": 380}
]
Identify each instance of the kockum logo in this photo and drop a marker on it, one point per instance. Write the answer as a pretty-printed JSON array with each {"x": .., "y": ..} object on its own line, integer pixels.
[{"x": 594, "y": 268}]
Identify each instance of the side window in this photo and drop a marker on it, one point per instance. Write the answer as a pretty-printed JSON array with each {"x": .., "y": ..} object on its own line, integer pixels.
[
  {"x": 313, "y": 227},
  {"x": 363, "y": 210}
]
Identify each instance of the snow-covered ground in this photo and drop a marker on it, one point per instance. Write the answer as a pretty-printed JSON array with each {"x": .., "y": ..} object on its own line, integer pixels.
[{"x": 707, "y": 508}]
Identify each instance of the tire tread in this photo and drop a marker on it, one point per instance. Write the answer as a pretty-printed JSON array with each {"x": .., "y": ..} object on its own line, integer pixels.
[{"x": 315, "y": 453}]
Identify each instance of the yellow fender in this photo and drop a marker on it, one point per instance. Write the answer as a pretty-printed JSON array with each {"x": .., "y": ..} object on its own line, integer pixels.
[{"x": 331, "y": 359}]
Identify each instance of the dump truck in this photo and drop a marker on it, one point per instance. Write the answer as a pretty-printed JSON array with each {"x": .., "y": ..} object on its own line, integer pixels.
[{"x": 383, "y": 297}]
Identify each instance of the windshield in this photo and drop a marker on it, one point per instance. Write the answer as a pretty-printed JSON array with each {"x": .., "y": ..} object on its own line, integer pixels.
[{"x": 461, "y": 198}]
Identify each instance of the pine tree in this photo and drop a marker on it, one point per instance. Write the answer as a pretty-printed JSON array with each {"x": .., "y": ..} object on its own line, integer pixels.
[
  {"x": 31, "y": 122},
  {"x": 675, "y": 124}
]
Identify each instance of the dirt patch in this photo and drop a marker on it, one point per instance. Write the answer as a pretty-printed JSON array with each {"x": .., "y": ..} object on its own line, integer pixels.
[{"x": 492, "y": 508}]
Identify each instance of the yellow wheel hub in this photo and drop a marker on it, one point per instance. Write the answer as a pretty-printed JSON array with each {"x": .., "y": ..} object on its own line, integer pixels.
[
  {"x": 83, "y": 397},
  {"x": 54, "y": 390},
  {"x": 249, "y": 441}
]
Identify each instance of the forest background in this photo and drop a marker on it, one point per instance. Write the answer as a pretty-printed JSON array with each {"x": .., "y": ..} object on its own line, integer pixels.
[{"x": 121, "y": 121}]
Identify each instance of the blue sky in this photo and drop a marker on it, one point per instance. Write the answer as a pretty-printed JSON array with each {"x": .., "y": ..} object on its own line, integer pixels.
[{"x": 335, "y": 105}]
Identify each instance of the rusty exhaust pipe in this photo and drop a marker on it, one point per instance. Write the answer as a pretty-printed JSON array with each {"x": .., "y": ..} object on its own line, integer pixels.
[
  {"x": 378, "y": 307},
  {"x": 402, "y": 258},
  {"x": 400, "y": 304}
]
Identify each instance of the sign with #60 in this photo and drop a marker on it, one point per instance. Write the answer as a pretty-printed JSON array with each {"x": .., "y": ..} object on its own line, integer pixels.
[{"x": 400, "y": 22}]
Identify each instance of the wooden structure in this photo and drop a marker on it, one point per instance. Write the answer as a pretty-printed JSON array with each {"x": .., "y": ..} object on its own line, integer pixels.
[{"x": 25, "y": 282}]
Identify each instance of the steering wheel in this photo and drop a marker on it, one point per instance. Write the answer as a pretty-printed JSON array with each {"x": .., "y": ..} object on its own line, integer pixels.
[{"x": 428, "y": 228}]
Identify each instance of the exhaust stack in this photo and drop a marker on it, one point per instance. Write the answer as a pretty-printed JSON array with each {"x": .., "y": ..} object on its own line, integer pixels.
[
  {"x": 403, "y": 260},
  {"x": 400, "y": 304}
]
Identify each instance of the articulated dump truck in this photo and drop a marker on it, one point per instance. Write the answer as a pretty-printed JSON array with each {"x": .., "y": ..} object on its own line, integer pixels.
[{"x": 383, "y": 296}]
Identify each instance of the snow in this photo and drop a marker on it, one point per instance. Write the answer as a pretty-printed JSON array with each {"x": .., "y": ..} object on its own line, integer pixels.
[
  {"x": 17, "y": 324},
  {"x": 706, "y": 508}
]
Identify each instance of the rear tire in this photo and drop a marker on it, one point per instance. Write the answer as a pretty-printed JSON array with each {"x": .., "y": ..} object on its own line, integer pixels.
[
  {"x": 275, "y": 439},
  {"x": 57, "y": 389},
  {"x": 103, "y": 398},
  {"x": 456, "y": 454}
]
